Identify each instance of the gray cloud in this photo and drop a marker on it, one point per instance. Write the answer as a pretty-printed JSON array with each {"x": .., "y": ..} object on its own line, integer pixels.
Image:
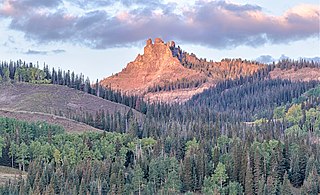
[
  {"x": 85, "y": 4},
  {"x": 215, "y": 24},
  {"x": 235, "y": 7},
  {"x": 35, "y": 3},
  {"x": 283, "y": 57},
  {"x": 266, "y": 59},
  {"x": 37, "y": 52},
  {"x": 45, "y": 28},
  {"x": 58, "y": 51}
]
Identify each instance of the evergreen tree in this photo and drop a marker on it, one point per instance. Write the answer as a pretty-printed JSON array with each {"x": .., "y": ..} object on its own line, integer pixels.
[
  {"x": 22, "y": 156},
  {"x": 172, "y": 184},
  {"x": 249, "y": 187},
  {"x": 220, "y": 176},
  {"x": 138, "y": 180},
  {"x": 187, "y": 175}
]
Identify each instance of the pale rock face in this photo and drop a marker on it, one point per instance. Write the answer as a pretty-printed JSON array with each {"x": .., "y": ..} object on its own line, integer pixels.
[
  {"x": 158, "y": 50},
  {"x": 155, "y": 50},
  {"x": 158, "y": 41},
  {"x": 149, "y": 42}
]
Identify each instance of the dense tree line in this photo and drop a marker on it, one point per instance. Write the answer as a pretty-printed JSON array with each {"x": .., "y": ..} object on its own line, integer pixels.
[
  {"x": 117, "y": 122},
  {"x": 226, "y": 69},
  {"x": 287, "y": 64},
  {"x": 178, "y": 84},
  {"x": 15, "y": 135}
]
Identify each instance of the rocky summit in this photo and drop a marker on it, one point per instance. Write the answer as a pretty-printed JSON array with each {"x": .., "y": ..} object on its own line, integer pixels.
[{"x": 156, "y": 66}]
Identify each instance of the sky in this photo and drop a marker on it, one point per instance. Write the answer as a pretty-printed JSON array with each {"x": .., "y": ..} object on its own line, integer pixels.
[{"x": 99, "y": 37}]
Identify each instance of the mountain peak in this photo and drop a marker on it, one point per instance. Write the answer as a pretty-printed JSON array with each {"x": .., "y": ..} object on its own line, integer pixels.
[
  {"x": 164, "y": 69},
  {"x": 157, "y": 65}
]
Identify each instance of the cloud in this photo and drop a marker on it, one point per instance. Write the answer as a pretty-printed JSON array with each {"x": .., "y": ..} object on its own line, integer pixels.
[
  {"x": 58, "y": 51},
  {"x": 283, "y": 57},
  {"x": 37, "y": 52},
  {"x": 266, "y": 59},
  {"x": 45, "y": 27},
  {"x": 35, "y": 3},
  {"x": 25, "y": 8},
  {"x": 235, "y": 7},
  {"x": 216, "y": 24}
]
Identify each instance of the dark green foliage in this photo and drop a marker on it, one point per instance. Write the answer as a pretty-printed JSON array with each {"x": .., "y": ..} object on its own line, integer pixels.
[{"x": 21, "y": 131}]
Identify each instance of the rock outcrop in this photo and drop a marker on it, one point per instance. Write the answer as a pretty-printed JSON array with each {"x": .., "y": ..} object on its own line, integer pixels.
[{"x": 155, "y": 66}]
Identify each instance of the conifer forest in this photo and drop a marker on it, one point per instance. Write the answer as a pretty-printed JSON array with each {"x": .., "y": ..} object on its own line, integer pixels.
[{"x": 249, "y": 135}]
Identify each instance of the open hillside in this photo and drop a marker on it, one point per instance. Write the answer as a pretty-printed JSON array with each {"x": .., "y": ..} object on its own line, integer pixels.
[{"x": 55, "y": 99}]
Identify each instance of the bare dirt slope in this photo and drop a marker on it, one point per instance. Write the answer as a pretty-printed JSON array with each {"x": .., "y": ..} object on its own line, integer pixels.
[
  {"x": 54, "y": 99},
  {"x": 175, "y": 96},
  {"x": 69, "y": 125},
  {"x": 303, "y": 74}
]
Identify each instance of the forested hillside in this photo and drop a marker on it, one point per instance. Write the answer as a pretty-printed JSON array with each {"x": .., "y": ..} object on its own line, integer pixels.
[
  {"x": 250, "y": 97},
  {"x": 246, "y": 135}
]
